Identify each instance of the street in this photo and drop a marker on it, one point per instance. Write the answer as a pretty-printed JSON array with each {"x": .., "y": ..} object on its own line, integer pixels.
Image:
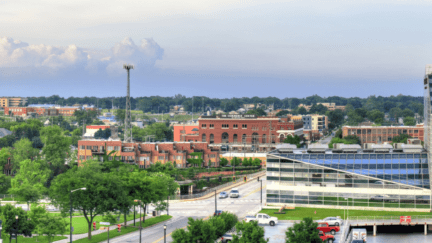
[{"x": 248, "y": 202}]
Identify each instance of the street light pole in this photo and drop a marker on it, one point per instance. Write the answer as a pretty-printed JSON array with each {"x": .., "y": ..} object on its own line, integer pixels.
[
  {"x": 165, "y": 233},
  {"x": 16, "y": 232},
  {"x": 261, "y": 192},
  {"x": 140, "y": 223},
  {"x": 70, "y": 229},
  {"x": 215, "y": 202},
  {"x": 134, "y": 214}
]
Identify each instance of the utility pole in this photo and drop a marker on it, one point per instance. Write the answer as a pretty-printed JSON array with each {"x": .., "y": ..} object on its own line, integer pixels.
[
  {"x": 128, "y": 128},
  {"x": 192, "y": 109}
]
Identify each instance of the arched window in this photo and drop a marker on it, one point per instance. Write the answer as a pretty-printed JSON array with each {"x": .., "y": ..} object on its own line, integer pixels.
[
  {"x": 225, "y": 137},
  {"x": 264, "y": 138},
  {"x": 255, "y": 138},
  {"x": 211, "y": 138},
  {"x": 235, "y": 138},
  {"x": 204, "y": 137},
  {"x": 244, "y": 138},
  {"x": 282, "y": 138}
]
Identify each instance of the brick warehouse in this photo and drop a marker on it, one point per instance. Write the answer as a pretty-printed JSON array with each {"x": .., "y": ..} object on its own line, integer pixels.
[
  {"x": 244, "y": 129},
  {"x": 144, "y": 154},
  {"x": 381, "y": 134}
]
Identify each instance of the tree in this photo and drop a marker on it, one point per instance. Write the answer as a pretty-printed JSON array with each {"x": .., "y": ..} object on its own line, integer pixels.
[
  {"x": 5, "y": 156},
  {"x": 407, "y": 113},
  {"x": 302, "y": 111},
  {"x": 246, "y": 162},
  {"x": 102, "y": 134},
  {"x": 196, "y": 159},
  {"x": 318, "y": 109},
  {"x": 305, "y": 231},
  {"x": 37, "y": 143},
  {"x": 282, "y": 113},
  {"x": 409, "y": 121},
  {"x": 223, "y": 162},
  {"x": 12, "y": 226},
  {"x": 29, "y": 182},
  {"x": 402, "y": 138},
  {"x": 257, "y": 112},
  {"x": 293, "y": 140},
  {"x": 57, "y": 147},
  {"x": 120, "y": 115},
  {"x": 335, "y": 118},
  {"x": 250, "y": 232},
  {"x": 23, "y": 150},
  {"x": 102, "y": 191},
  {"x": 52, "y": 225},
  {"x": 235, "y": 161},
  {"x": 5, "y": 183},
  {"x": 256, "y": 162},
  {"x": 375, "y": 115}
]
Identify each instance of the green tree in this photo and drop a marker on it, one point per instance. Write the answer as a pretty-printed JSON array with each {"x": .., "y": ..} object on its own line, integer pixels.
[
  {"x": 12, "y": 226},
  {"x": 52, "y": 225},
  {"x": 409, "y": 121},
  {"x": 302, "y": 111},
  {"x": 257, "y": 112},
  {"x": 120, "y": 115},
  {"x": 5, "y": 183},
  {"x": 293, "y": 140},
  {"x": 235, "y": 161},
  {"x": 102, "y": 191},
  {"x": 29, "y": 182},
  {"x": 374, "y": 115},
  {"x": 196, "y": 159},
  {"x": 335, "y": 118},
  {"x": 402, "y": 138},
  {"x": 282, "y": 113},
  {"x": 23, "y": 150},
  {"x": 37, "y": 143},
  {"x": 246, "y": 162},
  {"x": 256, "y": 162},
  {"x": 407, "y": 113},
  {"x": 305, "y": 231},
  {"x": 5, "y": 156},
  {"x": 223, "y": 162},
  {"x": 57, "y": 147},
  {"x": 250, "y": 232}
]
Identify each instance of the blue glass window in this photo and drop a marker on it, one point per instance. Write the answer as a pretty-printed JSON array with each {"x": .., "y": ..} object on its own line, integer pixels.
[
  {"x": 290, "y": 156},
  {"x": 313, "y": 158},
  {"x": 403, "y": 156},
  {"x": 365, "y": 156},
  {"x": 335, "y": 156},
  {"x": 402, "y": 166},
  {"x": 394, "y": 156},
  {"x": 305, "y": 157},
  {"x": 372, "y": 166},
  {"x": 298, "y": 156}
]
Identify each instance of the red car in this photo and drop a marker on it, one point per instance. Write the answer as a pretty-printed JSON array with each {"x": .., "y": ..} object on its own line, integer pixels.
[
  {"x": 326, "y": 238},
  {"x": 325, "y": 228}
]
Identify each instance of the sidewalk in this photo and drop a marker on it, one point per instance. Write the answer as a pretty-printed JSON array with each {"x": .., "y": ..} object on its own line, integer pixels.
[{"x": 96, "y": 232}]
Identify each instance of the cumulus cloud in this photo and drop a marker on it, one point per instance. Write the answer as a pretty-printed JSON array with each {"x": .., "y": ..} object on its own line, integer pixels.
[{"x": 16, "y": 54}]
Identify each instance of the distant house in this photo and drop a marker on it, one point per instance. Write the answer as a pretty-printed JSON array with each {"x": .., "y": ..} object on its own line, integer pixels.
[{"x": 4, "y": 132}]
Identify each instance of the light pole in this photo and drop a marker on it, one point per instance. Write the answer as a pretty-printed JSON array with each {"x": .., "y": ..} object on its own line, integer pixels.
[
  {"x": 215, "y": 202},
  {"x": 134, "y": 214},
  {"x": 83, "y": 189},
  {"x": 16, "y": 232},
  {"x": 165, "y": 233},
  {"x": 347, "y": 207},
  {"x": 136, "y": 200}
]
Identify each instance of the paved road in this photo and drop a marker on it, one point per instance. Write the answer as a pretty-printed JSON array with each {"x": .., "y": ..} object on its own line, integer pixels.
[
  {"x": 326, "y": 140},
  {"x": 249, "y": 201}
]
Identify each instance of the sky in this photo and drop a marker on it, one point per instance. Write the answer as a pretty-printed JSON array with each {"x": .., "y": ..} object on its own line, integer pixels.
[{"x": 214, "y": 48}]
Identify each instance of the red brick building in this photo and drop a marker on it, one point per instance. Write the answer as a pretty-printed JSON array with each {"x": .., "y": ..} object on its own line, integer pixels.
[
  {"x": 380, "y": 134},
  {"x": 145, "y": 154},
  {"x": 44, "y": 110},
  {"x": 244, "y": 129}
]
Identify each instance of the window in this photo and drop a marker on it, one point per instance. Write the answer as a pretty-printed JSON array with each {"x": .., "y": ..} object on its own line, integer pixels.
[
  {"x": 415, "y": 131},
  {"x": 89, "y": 147},
  {"x": 235, "y": 138},
  {"x": 264, "y": 138},
  {"x": 212, "y": 155},
  {"x": 110, "y": 147},
  {"x": 211, "y": 125},
  {"x": 110, "y": 158},
  {"x": 82, "y": 157},
  {"x": 211, "y": 138},
  {"x": 204, "y": 138},
  {"x": 244, "y": 126},
  {"x": 161, "y": 157},
  {"x": 117, "y": 148},
  {"x": 225, "y": 126},
  {"x": 82, "y": 147},
  {"x": 179, "y": 157},
  {"x": 244, "y": 138},
  {"x": 235, "y": 126},
  {"x": 204, "y": 126}
]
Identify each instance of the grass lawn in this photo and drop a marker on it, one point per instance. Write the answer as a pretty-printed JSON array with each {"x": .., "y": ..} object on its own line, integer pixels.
[
  {"x": 113, "y": 233},
  {"x": 40, "y": 239},
  {"x": 80, "y": 223},
  {"x": 300, "y": 213}
]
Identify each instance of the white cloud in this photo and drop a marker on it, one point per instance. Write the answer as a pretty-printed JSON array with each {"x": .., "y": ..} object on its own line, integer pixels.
[{"x": 17, "y": 54}]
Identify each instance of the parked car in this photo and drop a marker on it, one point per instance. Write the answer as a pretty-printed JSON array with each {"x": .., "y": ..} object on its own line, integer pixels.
[
  {"x": 223, "y": 195},
  {"x": 217, "y": 212},
  {"x": 357, "y": 241},
  {"x": 326, "y": 238},
  {"x": 262, "y": 218},
  {"x": 332, "y": 221},
  {"x": 234, "y": 193},
  {"x": 228, "y": 236},
  {"x": 325, "y": 228}
]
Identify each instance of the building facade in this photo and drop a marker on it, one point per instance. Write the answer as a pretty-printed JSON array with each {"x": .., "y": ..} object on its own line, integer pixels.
[
  {"x": 374, "y": 181},
  {"x": 381, "y": 134},
  {"x": 244, "y": 129},
  {"x": 145, "y": 154},
  {"x": 44, "y": 110},
  {"x": 12, "y": 101},
  {"x": 181, "y": 130}
]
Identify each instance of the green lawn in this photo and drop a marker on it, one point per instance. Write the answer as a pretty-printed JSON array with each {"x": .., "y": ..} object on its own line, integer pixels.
[
  {"x": 124, "y": 230},
  {"x": 40, "y": 239},
  {"x": 300, "y": 213},
  {"x": 80, "y": 223}
]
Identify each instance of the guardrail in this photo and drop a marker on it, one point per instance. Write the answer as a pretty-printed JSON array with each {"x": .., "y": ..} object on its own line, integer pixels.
[
  {"x": 345, "y": 232},
  {"x": 211, "y": 190}
]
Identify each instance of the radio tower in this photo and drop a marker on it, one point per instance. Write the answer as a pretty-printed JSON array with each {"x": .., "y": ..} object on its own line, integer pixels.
[{"x": 128, "y": 128}]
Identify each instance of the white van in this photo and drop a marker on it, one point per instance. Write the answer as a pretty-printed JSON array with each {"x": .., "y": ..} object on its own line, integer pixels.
[{"x": 359, "y": 234}]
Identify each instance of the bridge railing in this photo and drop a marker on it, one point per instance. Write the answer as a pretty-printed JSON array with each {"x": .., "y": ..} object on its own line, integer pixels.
[
  {"x": 388, "y": 219},
  {"x": 345, "y": 232}
]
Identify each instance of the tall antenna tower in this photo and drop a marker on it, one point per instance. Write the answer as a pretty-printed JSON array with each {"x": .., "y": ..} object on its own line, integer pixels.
[{"x": 128, "y": 128}]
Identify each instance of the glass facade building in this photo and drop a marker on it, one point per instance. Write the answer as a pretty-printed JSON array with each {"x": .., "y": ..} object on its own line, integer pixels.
[{"x": 361, "y": 180}]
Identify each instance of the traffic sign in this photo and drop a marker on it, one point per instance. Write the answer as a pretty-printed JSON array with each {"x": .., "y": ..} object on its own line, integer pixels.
[{"x": 104, "y": 223}]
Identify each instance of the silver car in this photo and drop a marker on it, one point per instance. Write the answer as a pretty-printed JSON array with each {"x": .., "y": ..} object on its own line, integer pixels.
[
  {"x": 234, "y": 193},
  {"x": 223, "y": 195},
  {"x": 333, "y": 221}
]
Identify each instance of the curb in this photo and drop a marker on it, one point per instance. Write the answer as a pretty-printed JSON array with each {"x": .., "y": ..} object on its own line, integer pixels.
[{"x": 222, "y": 189}]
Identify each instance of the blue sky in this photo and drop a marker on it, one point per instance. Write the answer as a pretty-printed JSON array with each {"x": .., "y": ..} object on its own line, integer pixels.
[{"x": 223, "y": 48}]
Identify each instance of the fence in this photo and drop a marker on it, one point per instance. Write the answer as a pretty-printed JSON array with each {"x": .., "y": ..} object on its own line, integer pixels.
[{"x": 212, "y": 190}]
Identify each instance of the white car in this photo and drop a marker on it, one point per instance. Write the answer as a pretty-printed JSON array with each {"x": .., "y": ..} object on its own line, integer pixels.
[
  {"x": 332, "y": 221},
  {"x": 262, "y": 218},
  {"x": 234, "y": 192}
]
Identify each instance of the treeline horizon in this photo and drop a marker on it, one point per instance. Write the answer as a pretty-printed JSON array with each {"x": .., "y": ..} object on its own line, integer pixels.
[{"x": 157, "y": 104}]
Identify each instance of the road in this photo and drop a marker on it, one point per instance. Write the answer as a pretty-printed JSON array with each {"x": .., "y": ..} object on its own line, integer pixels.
[
  {"x": 326, "y": 140},
  {"x": 249, "y": 201}
]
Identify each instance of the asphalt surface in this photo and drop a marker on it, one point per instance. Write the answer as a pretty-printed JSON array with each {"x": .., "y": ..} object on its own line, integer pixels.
[{"x": 248, "y": 202}]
